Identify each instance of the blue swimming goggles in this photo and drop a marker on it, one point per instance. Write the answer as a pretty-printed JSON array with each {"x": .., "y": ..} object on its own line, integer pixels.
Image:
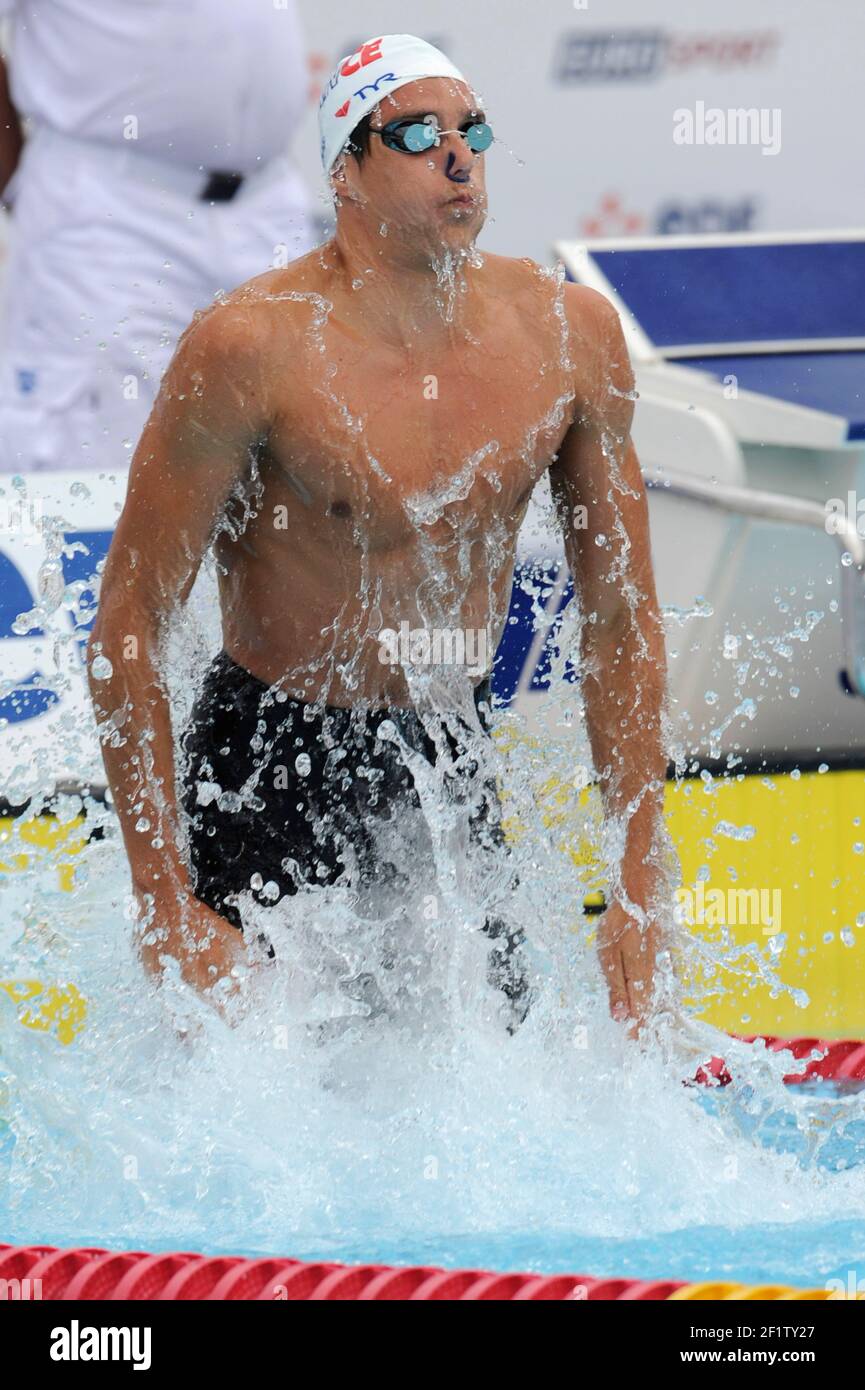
[{"x": 415, "y": 137}]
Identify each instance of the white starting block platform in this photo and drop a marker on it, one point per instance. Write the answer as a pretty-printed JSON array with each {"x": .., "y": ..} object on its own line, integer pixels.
[{"x": 749, "y": 356}]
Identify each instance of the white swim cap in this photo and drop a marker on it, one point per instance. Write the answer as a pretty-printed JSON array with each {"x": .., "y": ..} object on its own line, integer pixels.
[{"x": 360, "y": 80}]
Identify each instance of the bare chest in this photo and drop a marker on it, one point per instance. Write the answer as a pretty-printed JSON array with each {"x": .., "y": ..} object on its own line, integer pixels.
[{"x": 377, "y": 447}]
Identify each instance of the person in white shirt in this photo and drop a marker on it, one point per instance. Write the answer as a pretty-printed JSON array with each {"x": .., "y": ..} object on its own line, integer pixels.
[{"x": 154, "y": 174}]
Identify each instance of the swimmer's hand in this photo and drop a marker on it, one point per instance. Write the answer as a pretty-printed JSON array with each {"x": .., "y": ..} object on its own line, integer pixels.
[
  {"x": 628, "y": 953},
  {"x": 206, "y": 947}
]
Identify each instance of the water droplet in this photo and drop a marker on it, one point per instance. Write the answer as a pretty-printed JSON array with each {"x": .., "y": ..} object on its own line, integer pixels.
[
  {"x": 303, "y": 765},
  {"x": 101, "y": 668},
  {"x": 735, "y": 832}
]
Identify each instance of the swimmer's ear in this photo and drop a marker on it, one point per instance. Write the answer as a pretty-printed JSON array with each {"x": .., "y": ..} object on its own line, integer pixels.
[
  {"x": 341, "y": 185},
  {"x": 338, "y": 181}
]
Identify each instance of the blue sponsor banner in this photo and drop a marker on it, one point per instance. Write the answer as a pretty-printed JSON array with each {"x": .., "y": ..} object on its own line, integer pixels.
[{"x": 32, "y": 695}]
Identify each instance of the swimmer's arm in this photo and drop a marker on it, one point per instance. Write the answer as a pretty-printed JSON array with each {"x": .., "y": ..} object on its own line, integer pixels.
[
  {"x": 195, "y": 446},
  {"x": 623, "y": 657},
  {"x": 11, "y": 135}
]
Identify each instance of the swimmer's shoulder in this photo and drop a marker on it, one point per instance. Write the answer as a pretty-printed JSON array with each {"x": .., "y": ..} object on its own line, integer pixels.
[
  {"x": 534, "y": 290},
  {"x": 284, "y": 286},
  {"x": 244, "y": 319},
  {"x": 542, "y": 298},
  {"x": 597, "y": 344}
]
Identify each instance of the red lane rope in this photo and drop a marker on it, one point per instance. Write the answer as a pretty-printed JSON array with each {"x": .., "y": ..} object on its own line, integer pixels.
[
  {"x": 839, "y": 1060},
  {"x": 93, "y": 1273}
]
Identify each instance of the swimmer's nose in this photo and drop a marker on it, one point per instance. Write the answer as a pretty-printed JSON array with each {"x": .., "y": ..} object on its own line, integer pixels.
[{"x": 458, "y": 167}]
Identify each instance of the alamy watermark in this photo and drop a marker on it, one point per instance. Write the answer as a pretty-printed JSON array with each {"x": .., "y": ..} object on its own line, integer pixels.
[
  {"x": 852, "y": 1289},
  {"x": 730, "y": 907},
  {"x": 713, "y": 125},
  {"x": 841, "y": 515},
  {"x": 21, "y": 516},
  {"x": 436, "y": 646},
  {"x": 20, "y": 1290},
  {"x": 77, "y": 1343}
]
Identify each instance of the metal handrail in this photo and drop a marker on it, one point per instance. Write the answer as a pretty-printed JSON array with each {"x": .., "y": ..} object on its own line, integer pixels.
[{"x": 777, "y": 506}]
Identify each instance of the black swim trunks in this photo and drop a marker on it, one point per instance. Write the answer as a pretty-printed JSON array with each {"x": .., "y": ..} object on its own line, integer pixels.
[{"x": 280, "y": 795}]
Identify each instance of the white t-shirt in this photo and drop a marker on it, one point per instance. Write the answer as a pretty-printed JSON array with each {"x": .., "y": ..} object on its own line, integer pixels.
[{"x": 219, "y": 83}]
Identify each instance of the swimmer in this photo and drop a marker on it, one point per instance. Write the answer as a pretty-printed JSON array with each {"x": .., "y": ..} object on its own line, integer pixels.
[{"x": 356, "y": 437}]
